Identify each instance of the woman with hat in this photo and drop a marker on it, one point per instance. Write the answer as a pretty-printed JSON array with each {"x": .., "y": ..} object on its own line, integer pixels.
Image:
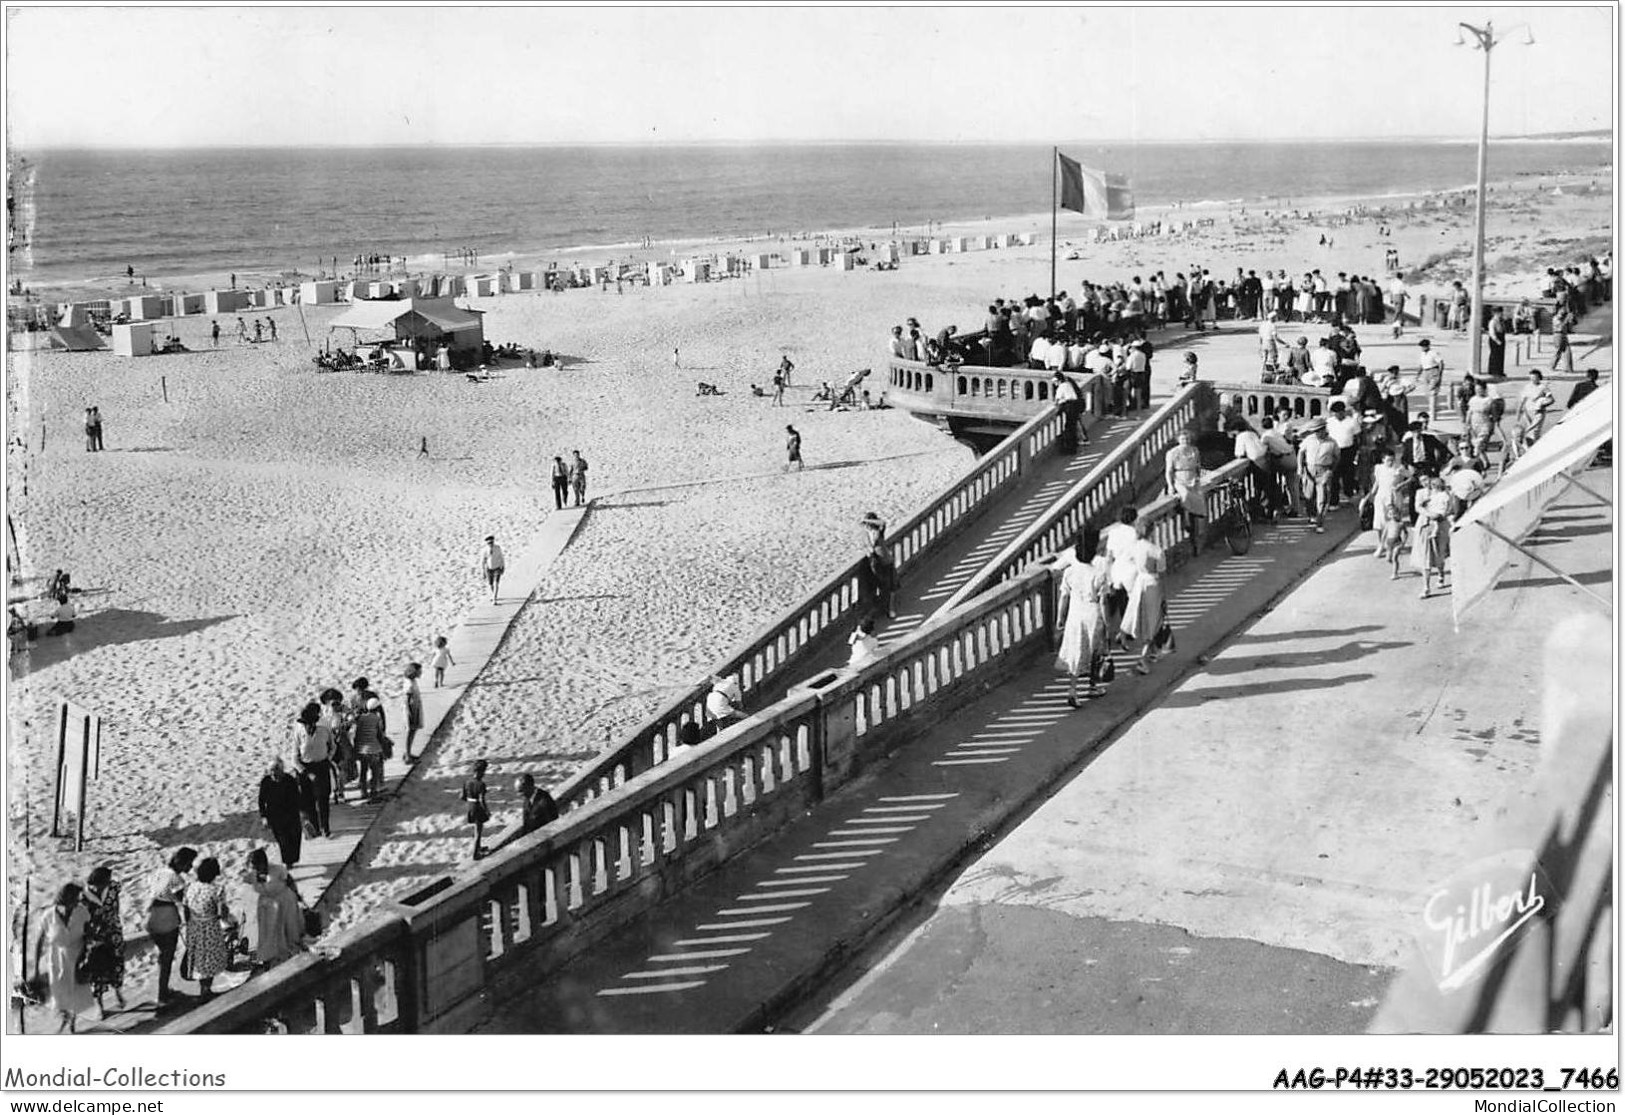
[
  {"x": 1182, "y": 476},
  {"x": 1317, "y": 461}
]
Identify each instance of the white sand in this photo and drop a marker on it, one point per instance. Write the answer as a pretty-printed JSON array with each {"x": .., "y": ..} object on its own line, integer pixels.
[{"x": 270, "y": 531}]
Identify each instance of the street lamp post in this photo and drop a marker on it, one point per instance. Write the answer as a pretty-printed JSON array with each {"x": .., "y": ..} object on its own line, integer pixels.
[{"x": 1485, "y": 40}]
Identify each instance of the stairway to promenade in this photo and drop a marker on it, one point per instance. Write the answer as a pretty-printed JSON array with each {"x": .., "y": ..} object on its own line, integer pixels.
[
  {"x": 923, "y": 590},
  {"x": 731, "y": 951}
]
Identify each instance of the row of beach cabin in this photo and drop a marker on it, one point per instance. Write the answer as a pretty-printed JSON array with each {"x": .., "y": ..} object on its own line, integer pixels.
[{"x": 142, "y": 309}]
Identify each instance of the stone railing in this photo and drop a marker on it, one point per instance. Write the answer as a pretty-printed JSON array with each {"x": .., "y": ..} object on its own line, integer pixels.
[
  {"x": 1107, "y": 487},
  {"x": 1166, "y": 525},
  {"x": 436, "y": 962},
  {"x": 1254, "y": 401},
  {"x": 830, "y": 612}
]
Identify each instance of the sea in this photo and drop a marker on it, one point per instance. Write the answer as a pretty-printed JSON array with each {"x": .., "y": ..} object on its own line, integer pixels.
[{"x": 85, "y": 216}]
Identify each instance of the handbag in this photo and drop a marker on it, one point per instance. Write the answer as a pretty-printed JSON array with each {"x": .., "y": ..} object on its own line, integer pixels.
[
  {"x": 82, "y": 968},
  {"x": 162, "y": 917},
  {"x": 1105, "y": 669},
  {"x": 389, "y": 747}
]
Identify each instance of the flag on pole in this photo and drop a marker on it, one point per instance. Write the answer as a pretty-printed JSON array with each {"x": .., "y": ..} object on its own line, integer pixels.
[{"x": 1095, "y": 193}]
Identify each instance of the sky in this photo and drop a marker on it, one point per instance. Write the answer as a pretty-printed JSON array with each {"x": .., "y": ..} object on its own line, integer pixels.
[{"x": 278, "y": 76}]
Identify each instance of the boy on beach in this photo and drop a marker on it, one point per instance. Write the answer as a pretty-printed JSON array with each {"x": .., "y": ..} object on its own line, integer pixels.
[
  {"x": 414, "y": 709},
  {"x": 793, "y": 448}
]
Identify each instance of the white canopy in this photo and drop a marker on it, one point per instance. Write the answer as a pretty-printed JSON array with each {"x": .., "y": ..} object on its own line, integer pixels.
[
  {"x": 372, "y": 314},
  {"x": 1484, "y": 539}
]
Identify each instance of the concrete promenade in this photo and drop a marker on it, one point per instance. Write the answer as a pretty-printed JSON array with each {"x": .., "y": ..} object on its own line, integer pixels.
[
  {"x": 736, "y": 949},
  {"x": 1253, "y": 854}
]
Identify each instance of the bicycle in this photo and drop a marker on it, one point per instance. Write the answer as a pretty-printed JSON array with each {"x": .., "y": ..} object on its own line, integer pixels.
[{"x": 1237, "y": 522}]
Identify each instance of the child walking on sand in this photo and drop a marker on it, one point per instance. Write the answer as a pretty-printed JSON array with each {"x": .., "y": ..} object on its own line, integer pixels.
[
  {"x": 478, "y": 812},
  {"x": 442, "y": 658},
  {"x": 414, "y": 708}
]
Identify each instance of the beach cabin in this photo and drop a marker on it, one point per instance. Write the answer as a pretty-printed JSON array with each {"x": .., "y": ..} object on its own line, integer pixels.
[
  {"x": 421, "y": 325},
  {"x": 380, "y": 289},
  {"x": 825, "y": 255},
  {"x": 407, "y": 288},
  {"x": 600, "y": 274},
  {"x": 145, "y": 307},
  {"x": 890, "y": 254},
  {"x": 134, "y": 339},
  {"x": 800, "y": 257},
  {"x": 223, "y": 301},
  {"x": 480, "y": 286},
  {"x": 188, "y": 304},
  {"x": 1027, "y": 239},
  {"x": 1003, "y": 240},
  {"x": 844, "y": 261},
  {"x": 762, "y": 261},
  {"x": 696, "y": 270},
  {"x": 657, "y": 274},
  {"x": 525, "y": 280},
  {"x": 319, "y": 293}
]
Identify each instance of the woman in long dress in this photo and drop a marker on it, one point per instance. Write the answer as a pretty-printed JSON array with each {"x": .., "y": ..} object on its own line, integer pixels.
[
  {"x": 279, "y": 926},
  {"x": 1081, "y": 617},
  {"x": 1480, "y": 419},
  {"x": 62, "y": 943},
  {"x": 104, "y": 937},
  {"x": 1430, "y": 553},
  {"x": 1390, "y": 507},
  {"x": 1183, "y": 477},
  {"x": 206, "y": 910},
  {"x": 1145, "y": 614}
]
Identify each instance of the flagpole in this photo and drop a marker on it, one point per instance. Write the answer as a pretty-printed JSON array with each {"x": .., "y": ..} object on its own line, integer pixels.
[{"x": 1054, "y": 176}]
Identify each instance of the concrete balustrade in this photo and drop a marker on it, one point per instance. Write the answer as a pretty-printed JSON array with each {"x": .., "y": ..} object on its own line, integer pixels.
[
  {"x": 1253, "y": 402},
  {"x": 436, "y": 962}
]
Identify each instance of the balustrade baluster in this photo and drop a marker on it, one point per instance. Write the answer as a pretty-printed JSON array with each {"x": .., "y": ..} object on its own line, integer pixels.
[
  {"x": 555, "y": 878},
  {"x": 335, "y": 1003},
  {"x": 691, "y": 817}
]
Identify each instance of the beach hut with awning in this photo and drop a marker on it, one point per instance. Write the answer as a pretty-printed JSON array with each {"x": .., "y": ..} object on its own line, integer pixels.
[{"x": 423, "y": 323}]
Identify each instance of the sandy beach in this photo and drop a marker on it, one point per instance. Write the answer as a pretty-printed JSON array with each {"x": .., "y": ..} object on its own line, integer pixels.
[{"x": 271, "y": 530}]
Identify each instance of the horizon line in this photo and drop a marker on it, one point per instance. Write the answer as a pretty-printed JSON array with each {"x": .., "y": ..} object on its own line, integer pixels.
[{"x": 1600, "y": 135}]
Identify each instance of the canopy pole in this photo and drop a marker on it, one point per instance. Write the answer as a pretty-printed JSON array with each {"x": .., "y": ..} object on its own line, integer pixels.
[
  {"x": 1588, "y": 491},
  {"x": 1608, "y": 605}
]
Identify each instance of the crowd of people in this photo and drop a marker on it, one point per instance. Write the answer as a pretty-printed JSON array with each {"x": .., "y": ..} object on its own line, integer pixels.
[{"x": 194, "y": 913}]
